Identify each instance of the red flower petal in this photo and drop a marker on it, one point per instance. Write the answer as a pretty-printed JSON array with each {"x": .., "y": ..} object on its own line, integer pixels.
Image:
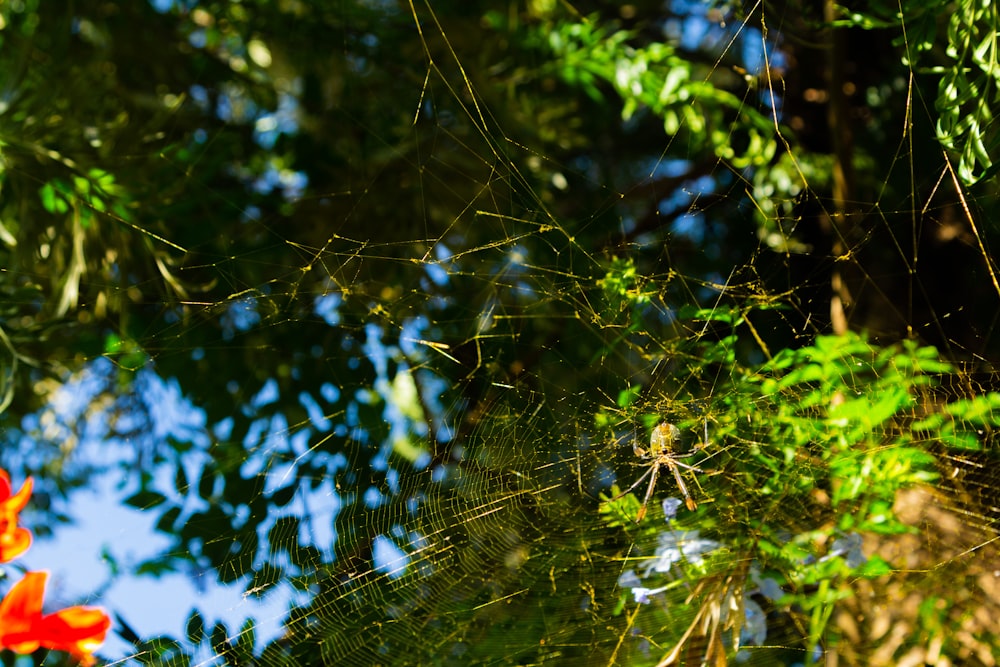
[
  {"x": 14, "y": 543},
  {"x": 20, "y": 610},
  {"x": 4, "y": 485},
  {"x": 13, "y": 540},
  {"x": 77, "y": 630},
  {"x": 20, "y": 499}
]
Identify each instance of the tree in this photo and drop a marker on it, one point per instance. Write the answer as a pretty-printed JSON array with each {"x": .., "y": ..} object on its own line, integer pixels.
[{"x": 446, "y": 261}]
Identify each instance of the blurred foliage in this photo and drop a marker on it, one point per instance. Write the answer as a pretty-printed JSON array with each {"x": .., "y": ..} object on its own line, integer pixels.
[
  {"x": 553, "y": 222},
  {"x": 967, "y": 60}
]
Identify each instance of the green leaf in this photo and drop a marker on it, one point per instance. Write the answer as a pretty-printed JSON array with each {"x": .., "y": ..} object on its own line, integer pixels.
[
  {"x": 155, "y": 567},
  {"x": 628, "y": 395},
  {"x": 284, "y": 495},
  {"x": 52, "y": 201},
  {"x": 245, "y": 642},
  {"x": 181, "y": 483},
  {"x": 168, "y": 520},
  {"x": 220, "y": 638},
  {"x": 145, "y": 499},
  {"x": 875, "y": 566},
  {"x": 195, "y": 628},
  {"x": 206, "y": 483}
]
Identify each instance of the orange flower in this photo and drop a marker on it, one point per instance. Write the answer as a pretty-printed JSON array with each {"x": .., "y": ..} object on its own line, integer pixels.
[
  {"x": 77, "y": 630},
  {"x": 14, "y": 540}
]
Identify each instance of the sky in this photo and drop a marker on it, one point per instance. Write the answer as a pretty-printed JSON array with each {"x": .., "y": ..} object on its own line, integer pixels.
[{"x": 104, "y": 524}]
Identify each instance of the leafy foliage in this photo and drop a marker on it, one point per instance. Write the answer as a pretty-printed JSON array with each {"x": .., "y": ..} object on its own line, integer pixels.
[
  {"x": 438, "y": 266},
  {"x": 968, "y": 71}
]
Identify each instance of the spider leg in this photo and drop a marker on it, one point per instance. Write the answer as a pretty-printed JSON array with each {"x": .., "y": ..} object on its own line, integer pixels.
[
  {"x": 675, "y": 462},
  {"x": 688, "y": 500},
  {"x": 637, "y": 483},
  {"x": 654, "y": 471}
]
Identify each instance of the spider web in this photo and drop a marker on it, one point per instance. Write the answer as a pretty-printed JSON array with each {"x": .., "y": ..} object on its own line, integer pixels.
[{"x": 429, "y": 479}]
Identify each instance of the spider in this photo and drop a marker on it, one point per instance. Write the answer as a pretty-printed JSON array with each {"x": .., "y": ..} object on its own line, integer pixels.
[{"x": 661, "y": 453}]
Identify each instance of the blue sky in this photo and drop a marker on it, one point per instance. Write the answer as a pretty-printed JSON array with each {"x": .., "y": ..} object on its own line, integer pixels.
[{"x": 103, "y": 524}]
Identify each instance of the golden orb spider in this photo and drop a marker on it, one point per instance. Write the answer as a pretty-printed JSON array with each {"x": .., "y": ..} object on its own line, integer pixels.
[{"x": 661, "y": 453}]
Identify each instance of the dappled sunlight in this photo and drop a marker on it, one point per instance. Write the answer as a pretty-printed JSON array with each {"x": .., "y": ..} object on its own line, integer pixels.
[{"x": 477, "y": 333}]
